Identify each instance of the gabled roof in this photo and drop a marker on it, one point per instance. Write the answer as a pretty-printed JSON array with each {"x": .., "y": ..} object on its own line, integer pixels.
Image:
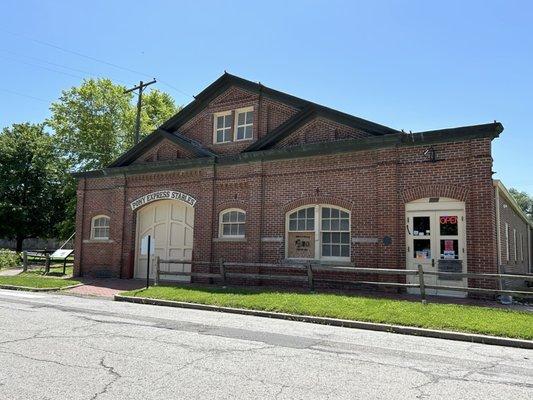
[
  {"x": 227, "y": 80},
  {"x": 155, "y": 137},
  {"x": 491, "y": 131}
]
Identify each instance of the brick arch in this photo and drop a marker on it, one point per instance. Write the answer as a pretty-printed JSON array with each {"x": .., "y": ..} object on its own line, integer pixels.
[
  {"x": 421, "y": 192},
  {"x": 231, "y": 204},
  {"x": 303, "y": 201}
]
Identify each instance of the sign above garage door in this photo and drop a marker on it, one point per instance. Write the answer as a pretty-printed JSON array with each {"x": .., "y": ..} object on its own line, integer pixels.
[{"x": 162, "y": 195}]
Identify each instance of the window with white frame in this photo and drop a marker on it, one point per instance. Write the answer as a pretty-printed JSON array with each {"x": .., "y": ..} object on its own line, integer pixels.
[
  {"x": 507, "y": 256},
  {"x": 335, "y": 233},
  {"x": 223, "y": 127},
  {"x": 100, "y": 227},
  {"x": 244, "y": 124},
  {"x": 232, "y": 223},
  {"x": 318, "y": 232}
]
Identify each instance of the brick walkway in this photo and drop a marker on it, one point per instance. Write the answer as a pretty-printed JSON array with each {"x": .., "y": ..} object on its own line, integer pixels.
[{"x": 106, "y": 287}]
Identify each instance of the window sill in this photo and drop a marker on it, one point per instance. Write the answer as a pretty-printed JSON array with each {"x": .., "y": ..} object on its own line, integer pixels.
[
  {"x": 98, "y": 241},
  {"x": 229, "y": 239}
]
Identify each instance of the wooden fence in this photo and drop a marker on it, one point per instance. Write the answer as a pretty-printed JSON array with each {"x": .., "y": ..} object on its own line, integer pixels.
[{"x": 307, "y": 275}]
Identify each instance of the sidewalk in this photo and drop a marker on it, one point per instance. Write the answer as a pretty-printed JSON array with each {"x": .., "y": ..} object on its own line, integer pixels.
[
  {"x": 10, "y": 272},
  {"x": 105, "y": 287}
]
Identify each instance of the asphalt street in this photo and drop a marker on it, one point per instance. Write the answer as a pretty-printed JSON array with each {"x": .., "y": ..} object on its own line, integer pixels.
[{"x": 64, "y": 347}]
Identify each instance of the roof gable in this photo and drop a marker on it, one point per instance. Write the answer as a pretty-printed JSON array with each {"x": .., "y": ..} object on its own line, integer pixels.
[
  {"x": 227, "y": 80},
  {"x": 191, "y": 148}
]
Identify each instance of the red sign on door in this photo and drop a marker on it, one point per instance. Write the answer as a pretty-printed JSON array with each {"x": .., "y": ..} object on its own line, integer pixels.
[{"x": 448, "y": 245}]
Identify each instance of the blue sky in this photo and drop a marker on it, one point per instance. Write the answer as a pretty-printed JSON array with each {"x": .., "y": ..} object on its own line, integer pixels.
[{"x": 413, "y": 65}]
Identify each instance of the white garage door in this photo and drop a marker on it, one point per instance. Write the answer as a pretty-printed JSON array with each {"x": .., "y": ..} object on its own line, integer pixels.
[{"x": 170, "y": 223}]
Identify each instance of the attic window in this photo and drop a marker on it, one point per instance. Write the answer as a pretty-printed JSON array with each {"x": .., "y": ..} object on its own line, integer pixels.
[
  {"x": 244, "y": 124},
  {"x": 222, "y": 132}
]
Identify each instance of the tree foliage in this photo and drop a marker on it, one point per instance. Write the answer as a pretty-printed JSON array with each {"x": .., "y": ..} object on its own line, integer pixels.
[
  {"x": 94, "y": 123},
  {"x": 524, "y": 200},
  {"x": 32, "y": 171}
]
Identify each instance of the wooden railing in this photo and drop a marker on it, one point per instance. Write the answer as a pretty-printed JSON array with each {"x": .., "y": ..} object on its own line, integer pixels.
[{"x": 308, "y": 275}]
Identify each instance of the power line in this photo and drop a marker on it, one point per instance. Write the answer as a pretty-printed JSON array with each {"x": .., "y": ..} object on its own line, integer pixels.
[
  {"x": 41, "y": 66},
  {"x": 54, "y": 64},
  {"x": 42, "y": 42},
  {"x": 175, "y": 88},
  {"x": 24, "y": 95}
]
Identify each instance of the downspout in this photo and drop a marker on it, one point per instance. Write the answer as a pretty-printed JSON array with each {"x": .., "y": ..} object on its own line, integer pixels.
[
  {"x": 261, "y": 177},
  {"x": 124, "y": 188},
  {"x": 81, "y": 233}
]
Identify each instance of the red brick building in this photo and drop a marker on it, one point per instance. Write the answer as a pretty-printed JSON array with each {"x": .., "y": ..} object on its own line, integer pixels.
[{"x": 248, "y": 173}]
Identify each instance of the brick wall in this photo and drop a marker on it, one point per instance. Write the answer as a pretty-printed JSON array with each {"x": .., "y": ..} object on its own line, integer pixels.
[
  {"x": 517, "y": 261},
  {"x": 268, "y": 115},
  {"x": 163, "y": 151},
  {"x": 373, "y": 185}
]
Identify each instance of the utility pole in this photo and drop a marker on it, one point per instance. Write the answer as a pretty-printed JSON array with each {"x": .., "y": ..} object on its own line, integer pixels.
[{"x": 139, "y": 87}]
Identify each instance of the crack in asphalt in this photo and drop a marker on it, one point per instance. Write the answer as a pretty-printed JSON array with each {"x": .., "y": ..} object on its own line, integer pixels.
[{"x": 115, "y": 377}]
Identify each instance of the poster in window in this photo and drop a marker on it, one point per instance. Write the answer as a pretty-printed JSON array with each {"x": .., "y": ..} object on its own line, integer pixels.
[{"x": 301, "y": 245}]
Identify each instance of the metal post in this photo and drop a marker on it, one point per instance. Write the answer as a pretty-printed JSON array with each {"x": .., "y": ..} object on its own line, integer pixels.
[
  {"x": 157, "y": 269},
  {"x": 422, "y": 284},
  {"x": 24, "y": 261},
  {"x": 47, "y": 263},
  {"x": 65, "y": 266},
  {"x": 148, "y": 264},
  {"x": 310, "y": 280},
  {"x": 222, "y": 270}
]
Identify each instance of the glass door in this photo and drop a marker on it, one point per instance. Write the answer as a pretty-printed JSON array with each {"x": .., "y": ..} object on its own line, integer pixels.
[
  {"x": 421, "y": 247},
  {"x": 451, "y": 250}
]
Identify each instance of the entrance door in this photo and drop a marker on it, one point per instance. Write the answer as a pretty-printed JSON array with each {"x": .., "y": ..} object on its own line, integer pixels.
[
  {"x": 170, "y": 224},
  {"x": 435, "y": 239}
]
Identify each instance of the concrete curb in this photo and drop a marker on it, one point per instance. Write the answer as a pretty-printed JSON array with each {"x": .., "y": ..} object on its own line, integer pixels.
[
  {"x": 36, "y": 289},
  {"x": 403, "y": 330}
]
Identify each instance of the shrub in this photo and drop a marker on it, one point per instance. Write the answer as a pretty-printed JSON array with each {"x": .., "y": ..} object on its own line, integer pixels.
[{"x": 9, "y": 259}]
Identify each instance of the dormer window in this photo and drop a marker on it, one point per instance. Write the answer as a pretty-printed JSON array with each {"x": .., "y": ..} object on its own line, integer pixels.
[
  {"x": 223, "y": 131},
  {"x": 233, "y": 126},
  {"x": 244, "y": 126}
]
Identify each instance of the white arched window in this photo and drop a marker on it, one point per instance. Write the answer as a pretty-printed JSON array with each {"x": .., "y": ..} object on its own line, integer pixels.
[
  {"x": 100, "y": 227},
  {"x": 232, "y": 223},
  {"x": 319, "y": 232}
]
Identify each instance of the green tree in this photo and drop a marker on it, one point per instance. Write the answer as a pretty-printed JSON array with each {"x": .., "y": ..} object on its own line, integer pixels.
[
  {"x": 524, "y": 200},
  {"x": 32, "y": 199},
  {"x": 94, "y": 122}
]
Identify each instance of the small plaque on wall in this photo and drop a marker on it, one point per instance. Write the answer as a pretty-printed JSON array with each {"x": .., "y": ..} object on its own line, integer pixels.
[{"x": 301, "y": 245}]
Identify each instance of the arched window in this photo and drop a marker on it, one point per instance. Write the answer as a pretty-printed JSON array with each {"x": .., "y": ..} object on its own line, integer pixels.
[
  {"x": 232, "y": 223},
  {"x": 100, "y": 227},
  {"x": 319, "y": 231}
]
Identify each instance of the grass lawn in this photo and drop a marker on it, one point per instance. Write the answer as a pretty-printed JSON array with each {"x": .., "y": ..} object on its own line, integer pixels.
[
  {"x": 36, "y": 281},
  {"x": 462, "y": 318}
]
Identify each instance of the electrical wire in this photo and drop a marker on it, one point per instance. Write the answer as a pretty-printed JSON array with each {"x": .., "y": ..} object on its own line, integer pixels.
[
  {"x": 24, "y": 95},
  {"x": 44, "y": 43},
  {"x": 54, "y": 64}
]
